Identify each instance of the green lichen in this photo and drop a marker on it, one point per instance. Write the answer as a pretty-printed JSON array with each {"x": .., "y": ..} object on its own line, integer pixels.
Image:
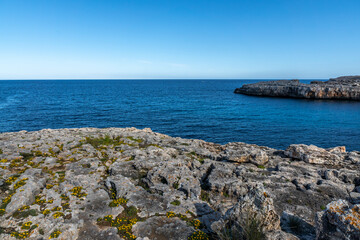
[
  {"x": 175, "y": 203},
  {"x": 205, "y": 196},
  {"x": 107, "y": 140}
]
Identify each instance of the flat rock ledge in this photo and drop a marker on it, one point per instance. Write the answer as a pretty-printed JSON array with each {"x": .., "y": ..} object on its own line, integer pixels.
[
  {"x": 128, "y": 183},
  {"x": 341, "y": 88}
]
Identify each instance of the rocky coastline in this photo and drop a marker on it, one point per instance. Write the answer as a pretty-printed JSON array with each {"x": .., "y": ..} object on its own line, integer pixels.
[
  {"x": 128, "y": 183},
  {"x": 341, "y": 88}
]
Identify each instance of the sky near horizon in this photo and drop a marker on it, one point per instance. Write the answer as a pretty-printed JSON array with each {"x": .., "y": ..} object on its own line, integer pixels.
[{"x": 60, "y": 39}]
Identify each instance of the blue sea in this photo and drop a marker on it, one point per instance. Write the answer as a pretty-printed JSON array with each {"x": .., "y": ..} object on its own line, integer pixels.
[{"x": 201, "y": 109}]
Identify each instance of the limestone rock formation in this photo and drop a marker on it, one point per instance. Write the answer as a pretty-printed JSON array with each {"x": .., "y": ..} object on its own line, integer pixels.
[
  {"x": 314, "y": 154},
  {"x": 128, "y": 183},
  {"x": 342, "y": 88},
  {"x": 340, "y": 220}
]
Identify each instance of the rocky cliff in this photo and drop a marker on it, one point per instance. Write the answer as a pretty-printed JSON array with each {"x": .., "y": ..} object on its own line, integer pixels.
[
  {"x": 342, "y": 88},
  {"x": 136, "y": 184}
]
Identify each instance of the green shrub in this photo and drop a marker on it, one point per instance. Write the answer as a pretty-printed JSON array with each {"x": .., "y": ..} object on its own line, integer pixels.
[
  {"x": 250, "y": 228},
  {"x": 131, "y": 211},
  {"x": 205, "y": 196}
]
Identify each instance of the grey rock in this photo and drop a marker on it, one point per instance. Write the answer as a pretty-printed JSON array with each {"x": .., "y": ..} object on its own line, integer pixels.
[
  {"x": 156, "y": 174},
  {"x": 311, "y": 154},
  {"x": 340, "y": 220},
  {"x": 255, "y": 205},
  {"x": 355, "y": 197},
  {"x": 296, "y": 226},
  {"x": 163, "y": 228},
  {"x": 280, "y": 235},
  {"x": 25, "y": 195},
  {"x": 353, "y": 157},
  {"x": 242, "y": 152},
  {"x": 92, "y": 232},
  {"x": 339, "y": 89}
]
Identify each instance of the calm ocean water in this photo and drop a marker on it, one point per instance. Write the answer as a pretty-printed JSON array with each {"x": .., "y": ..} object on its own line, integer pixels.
[{"x": 202, "y": 109}]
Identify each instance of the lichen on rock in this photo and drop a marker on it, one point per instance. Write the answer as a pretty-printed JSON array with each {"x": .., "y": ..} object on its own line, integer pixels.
[{"x": 128, "y": 183}]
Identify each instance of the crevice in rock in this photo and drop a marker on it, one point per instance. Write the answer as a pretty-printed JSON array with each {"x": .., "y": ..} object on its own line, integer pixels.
[{"x": 204, "y": 179}]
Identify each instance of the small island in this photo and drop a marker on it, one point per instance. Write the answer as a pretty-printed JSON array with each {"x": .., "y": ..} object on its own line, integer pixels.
[{"x": 341, "y": 88}]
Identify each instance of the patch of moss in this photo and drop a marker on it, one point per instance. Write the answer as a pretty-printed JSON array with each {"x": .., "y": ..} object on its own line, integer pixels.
[
  {"x": 25, "y": 214},
  {"x": 131, "y": 211},
  {"x": 107, "y": 140},
  {"x": 176, "y": 185},
  {"x": 195, "y": 156},
  {"x": 175, "y": 202},
  {"x": 26, "y": 156},
  {"x": 261, "y": 166},
  {"x": 205, "y": 196},
  {"x": 138, "y": 140}
]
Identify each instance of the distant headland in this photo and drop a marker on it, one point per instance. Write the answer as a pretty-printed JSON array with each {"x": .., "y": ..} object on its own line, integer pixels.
[{"x": 341, "y": 88}]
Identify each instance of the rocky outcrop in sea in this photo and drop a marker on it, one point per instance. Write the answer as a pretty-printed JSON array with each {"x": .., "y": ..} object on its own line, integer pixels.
[
  {"x": 341, "y": 88},
  {"x": 137, "y": 184}
]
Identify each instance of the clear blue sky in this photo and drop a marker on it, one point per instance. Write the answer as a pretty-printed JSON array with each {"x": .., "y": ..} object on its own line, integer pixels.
[{"x": 179, "y": 38}]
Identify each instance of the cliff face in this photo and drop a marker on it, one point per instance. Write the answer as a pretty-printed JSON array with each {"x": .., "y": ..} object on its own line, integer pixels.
[
  {"x": 342, "y": 88},
  {"x": 128, "y": 183}
]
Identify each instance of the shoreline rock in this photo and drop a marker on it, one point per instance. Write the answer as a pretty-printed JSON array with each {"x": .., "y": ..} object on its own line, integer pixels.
[
  {"x": 116, "y": 183},
  {"x": 341, "y": 88}
]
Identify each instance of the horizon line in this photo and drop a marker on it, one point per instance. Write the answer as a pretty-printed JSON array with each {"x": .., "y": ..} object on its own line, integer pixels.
[{"x": 55, "y": 79}]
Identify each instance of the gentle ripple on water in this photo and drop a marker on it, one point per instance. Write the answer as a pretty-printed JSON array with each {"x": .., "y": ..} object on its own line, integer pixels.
[{"x": 203, "y": 109}]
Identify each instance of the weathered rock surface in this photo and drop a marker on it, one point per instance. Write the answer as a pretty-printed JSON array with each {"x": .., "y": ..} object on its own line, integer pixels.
[
  {"x": 314, "y": 154},
  {"x": 342, "y": 88},
  {"x": 256, "y": 206},
  {"x": 340, "y": 220},
  {"x": 127, "y": 183},
  {"x": 163, "y": 228}
]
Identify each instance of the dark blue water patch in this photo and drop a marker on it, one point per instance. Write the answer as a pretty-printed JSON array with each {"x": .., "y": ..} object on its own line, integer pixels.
[{"x": 203, "y": 109}]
